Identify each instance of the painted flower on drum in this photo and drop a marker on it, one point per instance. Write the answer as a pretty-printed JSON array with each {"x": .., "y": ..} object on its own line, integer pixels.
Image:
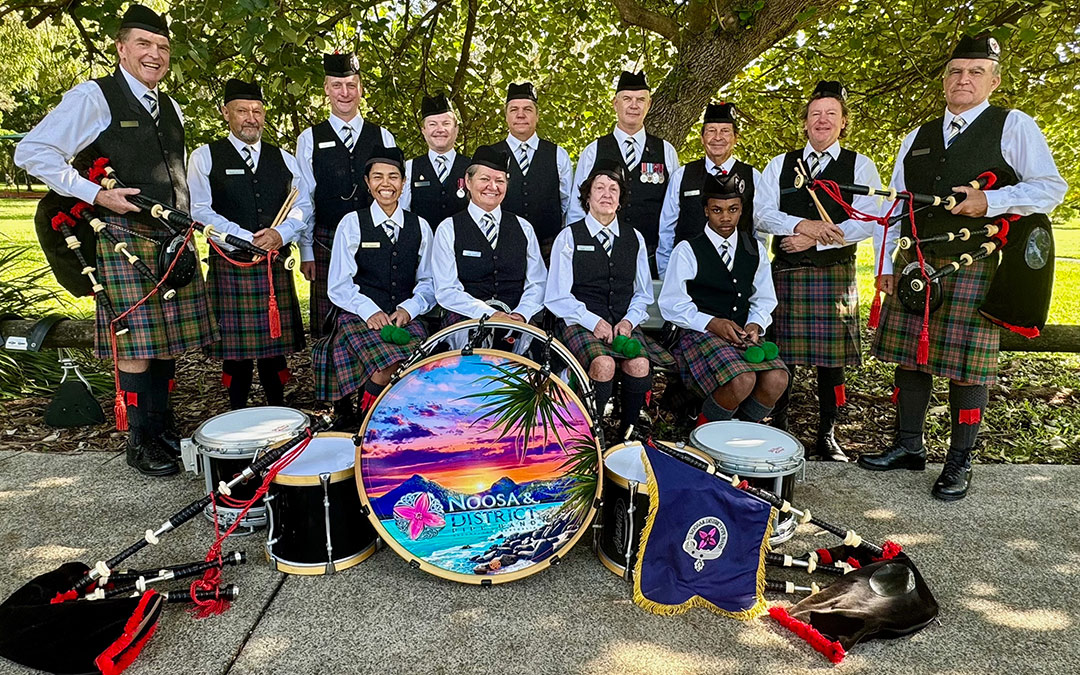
[{"x": 419, "y": 515}]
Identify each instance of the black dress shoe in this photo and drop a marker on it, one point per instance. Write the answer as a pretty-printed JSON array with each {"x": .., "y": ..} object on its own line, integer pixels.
[
  {"x": 827, "y": 448},
  {"x": 955, "y": 478},
  {"x": 897, "y": 458},
  {"x": 150, "y": 457},
  {"x": 167, "y": 434}
]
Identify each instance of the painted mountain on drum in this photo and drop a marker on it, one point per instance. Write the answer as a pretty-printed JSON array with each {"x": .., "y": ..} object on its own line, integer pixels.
[{"x": 538, "y": 491}]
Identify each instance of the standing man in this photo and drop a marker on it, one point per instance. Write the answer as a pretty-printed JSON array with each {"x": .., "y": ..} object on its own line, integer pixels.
[
  {"x": 435, "y": 182},
  {"x": 970, "y": 138},
  {"x": 125, "y": 117},
  {"x": 649, "y": 162},
  {"x": 332, "y": 156},
  {"x": 540, "y": 171},
  {"x": 682, "y": 216},
  {"x": 238, "y": 185},
  {"x": 817, "y": 315}
]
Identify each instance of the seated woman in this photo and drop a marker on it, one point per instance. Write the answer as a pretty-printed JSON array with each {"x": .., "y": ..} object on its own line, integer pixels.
[
  {"x": 599, "y": 287},
  {"x": 719, "y": 290},
  {"x": 380, "y": 275}
]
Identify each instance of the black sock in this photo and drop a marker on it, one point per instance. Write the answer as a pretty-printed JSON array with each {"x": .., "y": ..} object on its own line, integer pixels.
[
  {"x": 753, "y": 410},
  {"x": 371, "y": 392},
  {"x": 273, "y": 374},
  {"x": 913, "y": 389},
  {"x": 601, "y": 392},
  {"x": 780, "y": 408},
  {"x": 966, "y": 406},
  {"x": 634, "y": 391},
  {"x": 236, "y": 376},
  {"x": 831, "y": 395},
  {"x": 714, "y": 412},
  {"x": 343, "y": 407},
  {"x": 136, "y": 388}
]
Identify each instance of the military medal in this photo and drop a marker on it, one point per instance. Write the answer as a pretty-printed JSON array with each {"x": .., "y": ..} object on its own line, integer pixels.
[
  {"x": 461, "y": 188},
  {"x": 645, "y": 173},
  {"x": 659, "y": 173}
]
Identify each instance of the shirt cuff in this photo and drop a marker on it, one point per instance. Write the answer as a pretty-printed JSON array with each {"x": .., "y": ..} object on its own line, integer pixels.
[
  {"x": 86, "y": 190},
  {"x": 700, "y": 322},
  {"x": 994, "y": 206},
  {"x": 762, "y": 320},
  {"x": 412, "y": 307},
  {"x": 790, "y": 222},
  {"x": 307, "y": 253}
]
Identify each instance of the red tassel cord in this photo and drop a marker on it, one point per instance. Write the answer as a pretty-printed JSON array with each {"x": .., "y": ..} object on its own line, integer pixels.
[
  {"x": 275, "y": 315},
  {"x": 889, "y": 550},
  {"x": 120, "y": 654},
  {"x": 830, "y": 649}
]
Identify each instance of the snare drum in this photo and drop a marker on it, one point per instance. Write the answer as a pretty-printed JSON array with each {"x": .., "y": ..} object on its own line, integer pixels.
[
  {"x": 625, "y": 505},
  {"x": 316, "y": 522},
  {"x": 228, "y": 443},
  {"x": 765, "y": 457}
]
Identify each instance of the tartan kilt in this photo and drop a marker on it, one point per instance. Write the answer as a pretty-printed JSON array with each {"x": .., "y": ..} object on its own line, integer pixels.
[
  {"x": 319, "y": 301},
  {"x": 816, "y": 321},
  {"x": 963, "y": 343},
  {"x": 344, "y": 360},
  {"x": 586, "y": 346},
  {"x": 159, "y": 328},
  {"x": 707, "y": 362},
  {"x": 240, "y": 299}
]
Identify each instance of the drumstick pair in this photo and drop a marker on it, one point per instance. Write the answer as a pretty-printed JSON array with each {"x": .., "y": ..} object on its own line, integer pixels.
[
  {"x": 286, "y": 206},
  {"x": 805, "y": 175}
]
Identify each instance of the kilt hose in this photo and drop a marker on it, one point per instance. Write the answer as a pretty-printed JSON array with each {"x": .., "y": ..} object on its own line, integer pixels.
[
  {"x": 963, "y": 343},
  {"x": 239, "y": 297},
  {"x": 344, "y": 359},
  {"x": 816, "y": 321},
  {"x": 320, "y": 305},
  {"x": 707, "y": 362},
  {"x": 160, "y": 329},
  {"x": 586, "y": 346}
]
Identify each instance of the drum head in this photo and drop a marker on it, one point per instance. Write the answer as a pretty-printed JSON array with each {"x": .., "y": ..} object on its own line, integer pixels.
[
  {"x": 623, "y": 463},
  {"x": 454, "y": 490},
  {"x": 328, "y": 453},
  {"x": 749, "y": 449},
  {"x": 246, "y": 431}
]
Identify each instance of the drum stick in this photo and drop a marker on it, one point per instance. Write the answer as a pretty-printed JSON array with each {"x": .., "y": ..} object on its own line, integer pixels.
[
  {"x": 801, "y": 168},
  {"x": 286, "y": 206}
]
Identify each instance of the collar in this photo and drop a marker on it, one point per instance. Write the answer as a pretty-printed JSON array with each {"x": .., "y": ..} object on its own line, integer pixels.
[
  {"x": 256, "y": 147},
  {"x": 138, "y": 88},
  {"x": 621, "y": 137},
  {"x": 477, "y": 213},
  {"x": 833, "y": 151},
  {"x": 726, "y": 166},
  {"x": 968, "y": 115},
  {"x": 450, "y": 155},
  {"x": 717, "y": 240},
  {"x": 378, "y": 216},
  {"x": 357, "y": 123},
  {"x": 594, "y": 225},
  {"x": 532, "y": 141}
]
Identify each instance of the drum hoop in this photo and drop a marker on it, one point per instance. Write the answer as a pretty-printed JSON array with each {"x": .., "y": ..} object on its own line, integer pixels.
[
  {"x": 624, "y": 483},
  {"x": 767, "y": 469},
  {"x": 256, "y": 445},
  {"x": 748, "y": 471},
  {"x": 319, "y": 569},
  {"x": 316, "y": 479},
  {"x": 473, "y": 579}
]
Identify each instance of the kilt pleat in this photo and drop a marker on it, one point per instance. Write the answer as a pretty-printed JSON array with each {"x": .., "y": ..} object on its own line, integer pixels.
[
  {"x": 351, "y": 353},
  {"x": 586, "y": 346},
  {"x": 816, "y": 321},
  {"x": 963, "y": 343},
  {"x": 320, "y": 306},
  {"x": 239, "y": 297},
  {"x": 707, "y": 362},
  {"x": 158, "y": 328}
]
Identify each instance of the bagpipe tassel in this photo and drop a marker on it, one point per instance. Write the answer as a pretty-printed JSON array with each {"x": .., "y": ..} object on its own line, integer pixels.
[
  {"x": 275, "y": 315},
  {"x": 922, "y": 356},
  {"x": 875, "y": 312},
  {"x": 120, "y": 410}
]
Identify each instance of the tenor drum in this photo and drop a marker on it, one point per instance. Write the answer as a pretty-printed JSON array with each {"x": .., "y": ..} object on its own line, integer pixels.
[
  {"x": 229, "y": 442},
  {"x": 316, "y": 522},
  {"x": 459, "y": 485},
  {"x": 625, "y": 505},
  {"x": 765, "y": 457}
]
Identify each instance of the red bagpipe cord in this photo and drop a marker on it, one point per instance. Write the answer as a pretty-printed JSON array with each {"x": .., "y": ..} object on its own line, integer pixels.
[
  {"x": 831, "y": 649},
  {"x": 272, "y": 305},
  {"x": 211, "y": 579}
]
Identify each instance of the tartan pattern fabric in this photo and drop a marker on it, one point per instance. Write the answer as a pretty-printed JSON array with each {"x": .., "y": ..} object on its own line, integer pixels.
[
  {"x": 345, "y": 359},
  {"x": 707, "y": 362},
  {"x": 159, "y": 328},
  {"x": 239, "y": 297},
  {"x": 586, "y": 346},
  {"x": 816, "y": 321},
  {"x": 320, "y": 306},
  {"x": 963, "y": 344}
]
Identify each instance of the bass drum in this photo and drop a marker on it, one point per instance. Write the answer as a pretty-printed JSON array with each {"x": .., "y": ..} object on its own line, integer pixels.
[{"x": 480, "y": 468}]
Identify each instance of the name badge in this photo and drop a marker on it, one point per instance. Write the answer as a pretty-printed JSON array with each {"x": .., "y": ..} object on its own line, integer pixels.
[
  {"x": 129, "y": 124},
  {"x": 920, "y": 152},
  {"x": 471, "y": 254},
  {"x": 16, "y": 343},
  {"x": 234, "y": 172},
  {"x": 691, "y": 193},
  {"x": 586, "y": 247},
  {"x": 326, "y": 144},
  {"x": 421, "y": 183},
  {"x": 370, "y": 244}
]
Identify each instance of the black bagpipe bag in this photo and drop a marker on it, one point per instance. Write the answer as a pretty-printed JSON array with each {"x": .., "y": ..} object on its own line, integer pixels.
[
  {"x": 1019, "y": 294},
  {"x": 65, "y": 266},
  {"x": 77, "y": 636}
]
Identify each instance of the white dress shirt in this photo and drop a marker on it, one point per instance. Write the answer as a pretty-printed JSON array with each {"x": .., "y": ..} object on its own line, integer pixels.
[
  {"x": 669, "y": 215},
  {"x": 676, "y": 305},
  {"x": 562, "y": 303},
  {"x": 770, "y": 219},
  {"x": 199, "y": 165},
  {"x": 562, "y": 163},
  {"x": 343, "y": 291},
  {"x": 305, "y": 145},
  {"x": 69, "y": 128},
  {"x": 588, "y": 158},
  {"x": 406, "y": 192},
  {"x": 450, "y": 292},
  {"x": 1040, "y": 190}
]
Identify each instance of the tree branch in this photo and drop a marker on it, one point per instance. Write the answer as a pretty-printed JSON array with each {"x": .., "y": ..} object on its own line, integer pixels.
[
  {"x": 466, "y": 45},
  {"x": 88, "y": 42},
  {"x": 419, "y": 26},
  {"x": 635, "y": 15}
]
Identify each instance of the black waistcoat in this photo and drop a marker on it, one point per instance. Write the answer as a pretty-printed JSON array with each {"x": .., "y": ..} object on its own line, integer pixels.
[
  {"x": 145, "y": 156},
  {"x": 339, "y": 175},
  {"x": 434, "y": 201},
  {"x": 692, "y": 211},
  {"x": 716, "y": 290},
  {"x": 798, "y": 203},
  {"x": 646, "y": 199},
  {"x": 605, "y": 284},
  {"x": 249, "y": 200},
  {"x": 535, "y": 196},
  {"x": 488, "y": 274},
  {"x": 387, "y": 274}
]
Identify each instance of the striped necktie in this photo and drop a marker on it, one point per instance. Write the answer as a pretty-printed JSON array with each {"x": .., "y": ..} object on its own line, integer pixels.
[
  {"x": 606, "y": 240},
  {"x": 725, "y": 254},
  {"x": 523, "y": 158},
  {"x": 249, "y": 159},
  {"x": 955, "y": 127},
  {"x": 152, "y": 105},
  {"x": 719, "y": 170},
  {"x": 350, "y": 139},
  {"x": 817, "y": 163},
  {"x": 440, "y": 167},
  {"x": 391, "y": 231},
  {"x": 631, "y": 152},
  {"x": 490, "y": 229}
]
